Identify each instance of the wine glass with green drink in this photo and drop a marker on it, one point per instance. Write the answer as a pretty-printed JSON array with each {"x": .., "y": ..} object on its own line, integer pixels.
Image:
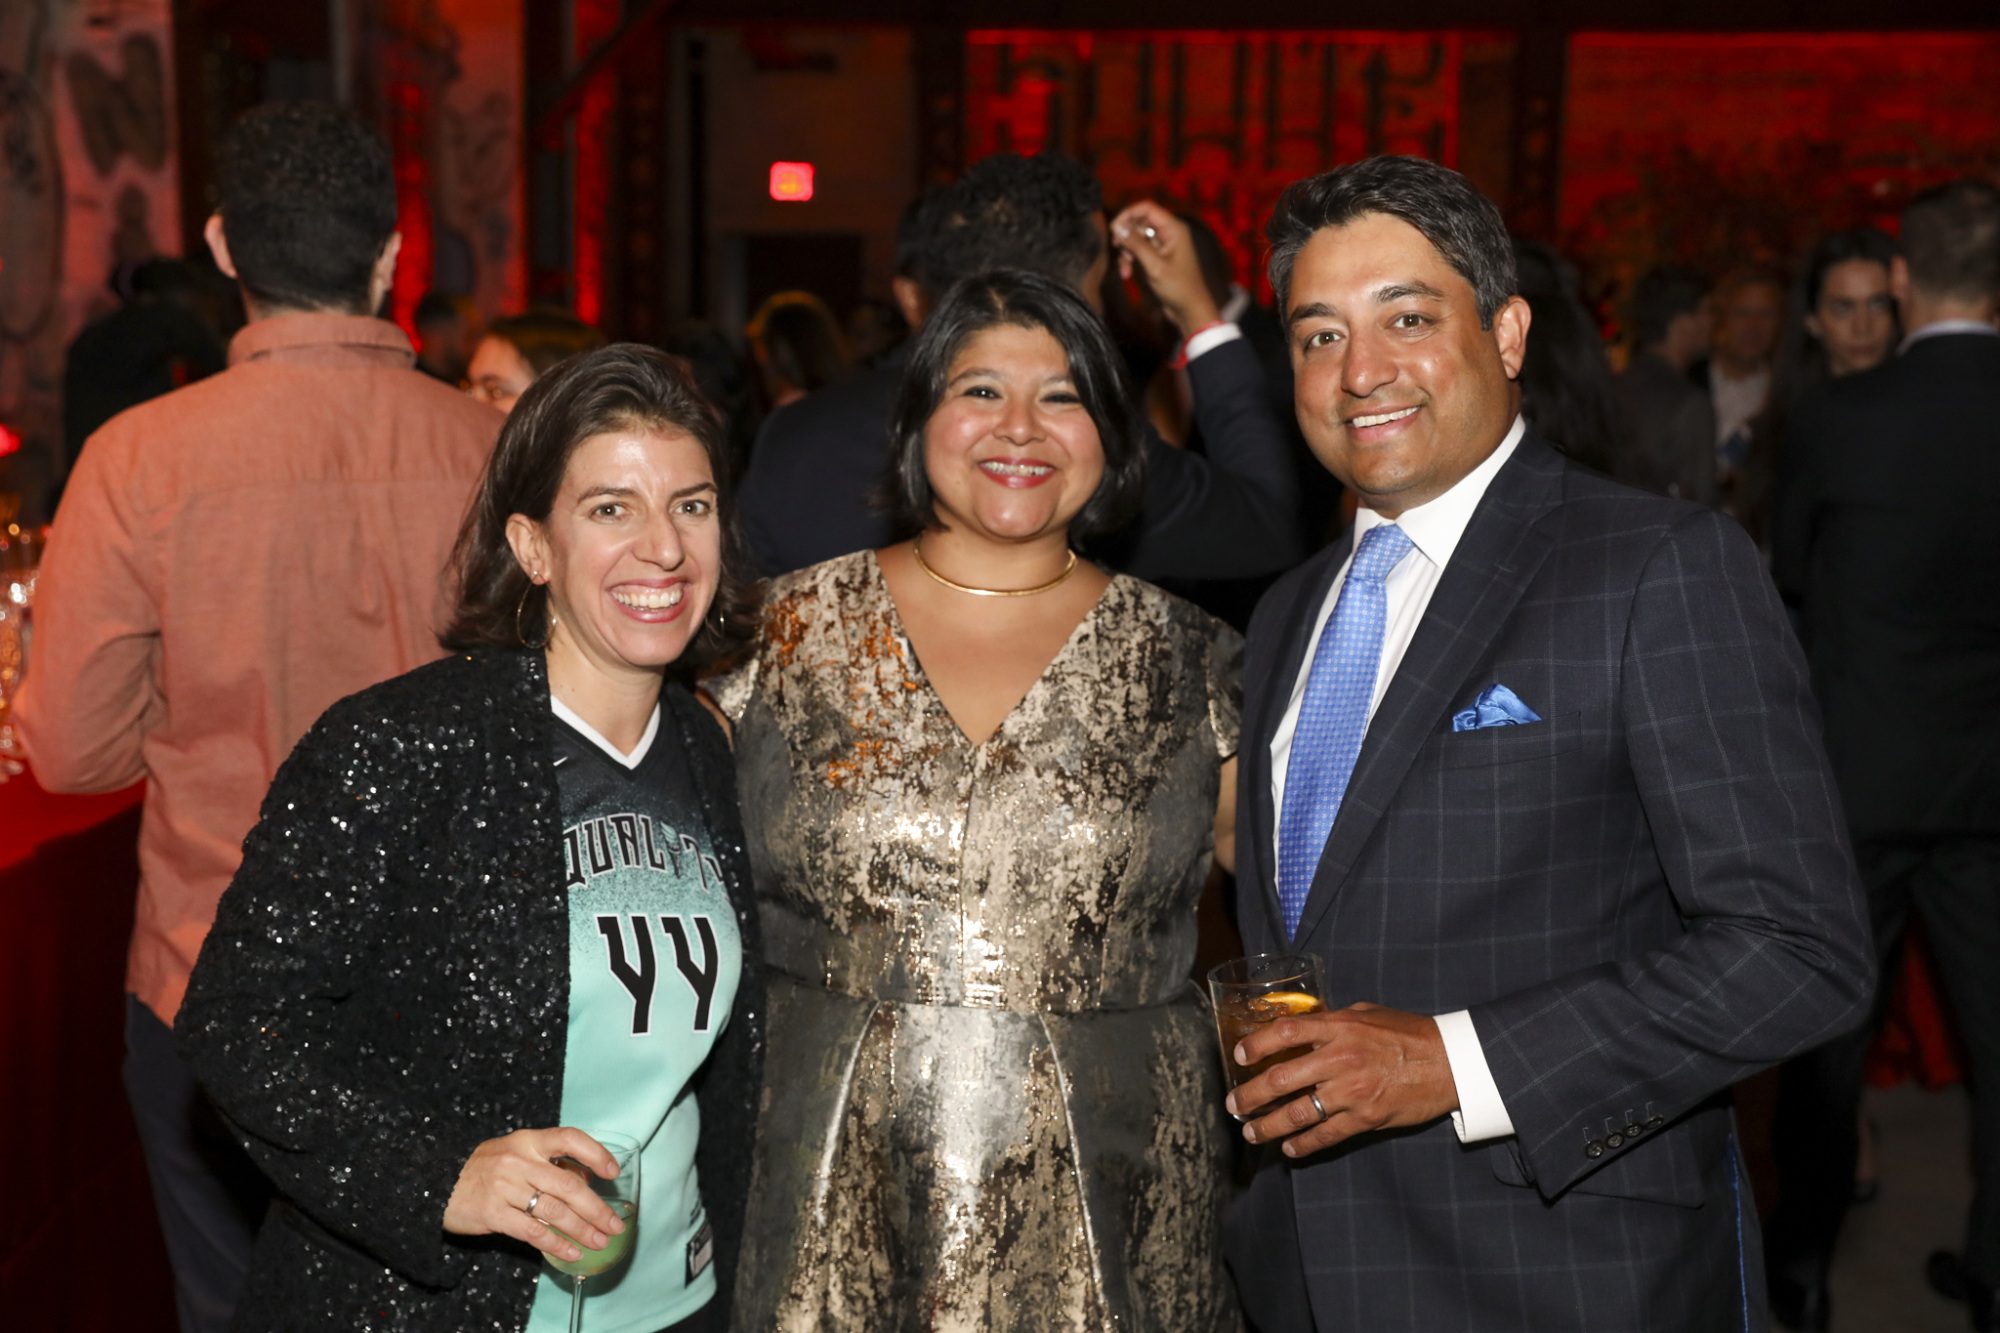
[{"x": 621, "y": 1193}]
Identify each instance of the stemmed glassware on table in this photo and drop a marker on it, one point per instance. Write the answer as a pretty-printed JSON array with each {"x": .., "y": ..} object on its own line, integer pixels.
[
  {"x": 1250, "y": 994},
  {"x": 20, "y": 557},
  {"x": 622, "y": 1194}
]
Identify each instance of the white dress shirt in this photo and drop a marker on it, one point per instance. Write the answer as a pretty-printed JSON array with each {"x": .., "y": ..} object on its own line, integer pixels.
[
  {"x": 1434, "y": 529},
  {"x": 1212, "y": 337},
  {"x": 1736, "y": 401}
]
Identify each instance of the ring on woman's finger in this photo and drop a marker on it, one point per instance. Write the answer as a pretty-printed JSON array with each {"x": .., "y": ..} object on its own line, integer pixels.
[
  {"x": 1150, "y": 232},
  {"x": 534, "y": 1199},
  {"x": 1314, "y": 1096}
]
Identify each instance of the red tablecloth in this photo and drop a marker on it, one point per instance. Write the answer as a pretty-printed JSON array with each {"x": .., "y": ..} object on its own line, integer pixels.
[{"x": 75, "y": 1181}]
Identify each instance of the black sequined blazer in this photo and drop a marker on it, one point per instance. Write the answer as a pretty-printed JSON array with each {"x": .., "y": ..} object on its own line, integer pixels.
[{"x": 387, "y": 985}]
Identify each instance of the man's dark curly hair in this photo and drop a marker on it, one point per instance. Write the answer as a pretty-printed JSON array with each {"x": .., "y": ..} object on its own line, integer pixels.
[
  {"x": 308, "y": 200},
  {"x": 1460, "y": 222},
  {"x": 1035, "y": 213},
  {"x": 1662, "y": 295}
]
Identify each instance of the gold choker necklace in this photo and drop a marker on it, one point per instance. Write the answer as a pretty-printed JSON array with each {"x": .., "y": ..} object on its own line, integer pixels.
[{"x": 917, "y": 550}]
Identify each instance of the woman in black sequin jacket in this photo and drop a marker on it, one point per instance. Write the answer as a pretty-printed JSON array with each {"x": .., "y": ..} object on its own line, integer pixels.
[{"x": 386, "y": 988}]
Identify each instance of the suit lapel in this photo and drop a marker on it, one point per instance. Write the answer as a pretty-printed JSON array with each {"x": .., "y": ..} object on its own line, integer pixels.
[
  {"x": 1269, "y": 709},
  {"x": 1501, "y": 551}
]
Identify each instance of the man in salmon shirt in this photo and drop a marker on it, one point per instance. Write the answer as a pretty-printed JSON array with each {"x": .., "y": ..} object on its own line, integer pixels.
[{"x": 229, "y": 560}]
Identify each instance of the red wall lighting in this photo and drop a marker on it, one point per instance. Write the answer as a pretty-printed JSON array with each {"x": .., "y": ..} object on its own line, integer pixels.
[{"x": 791, "y": 182}]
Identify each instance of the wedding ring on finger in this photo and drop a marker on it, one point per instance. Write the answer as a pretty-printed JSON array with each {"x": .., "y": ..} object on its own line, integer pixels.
[
  {"x": 1314, "y": 1096},
  {"x": 1149, "y": 231},
  {"x": 534, "y": 1199}
]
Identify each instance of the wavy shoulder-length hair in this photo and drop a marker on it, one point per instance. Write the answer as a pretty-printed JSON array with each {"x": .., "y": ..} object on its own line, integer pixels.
[
  {"x": 621, "y": 387},
  {"x": 1025, "y": 300}
]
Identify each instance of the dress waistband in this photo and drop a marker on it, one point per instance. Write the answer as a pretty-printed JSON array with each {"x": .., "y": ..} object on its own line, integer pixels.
[{"x": 876, "y": 961}]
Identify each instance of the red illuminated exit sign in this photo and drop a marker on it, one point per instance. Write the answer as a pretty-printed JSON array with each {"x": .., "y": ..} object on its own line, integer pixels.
[{"x": 791, "y": 182}]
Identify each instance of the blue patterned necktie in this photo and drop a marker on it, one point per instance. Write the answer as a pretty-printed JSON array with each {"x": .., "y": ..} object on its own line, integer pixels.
[{"x": 1334, "y": 715}]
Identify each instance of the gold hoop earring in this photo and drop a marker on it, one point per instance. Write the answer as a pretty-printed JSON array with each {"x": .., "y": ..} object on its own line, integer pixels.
[{"x": 519, "y": 608}]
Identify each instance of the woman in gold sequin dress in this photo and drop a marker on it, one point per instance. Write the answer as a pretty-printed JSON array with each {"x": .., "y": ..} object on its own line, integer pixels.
[{"x": 981, "y": 780}]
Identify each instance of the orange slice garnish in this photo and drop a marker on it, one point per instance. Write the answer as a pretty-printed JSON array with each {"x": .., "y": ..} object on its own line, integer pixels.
[{"x": 1291, "y": 1001}]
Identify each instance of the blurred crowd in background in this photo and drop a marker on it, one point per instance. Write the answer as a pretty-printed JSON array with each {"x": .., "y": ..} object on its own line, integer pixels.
[{"x": 1682, "y": 387}]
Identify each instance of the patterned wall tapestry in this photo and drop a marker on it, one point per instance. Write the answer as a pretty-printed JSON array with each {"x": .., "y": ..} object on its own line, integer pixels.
[
  {"x": 1217, "y": 123},
  {"x": 448, "y": 99},
  {"x": 481, "y": 205},
  {"x": 87, "y": 181}
]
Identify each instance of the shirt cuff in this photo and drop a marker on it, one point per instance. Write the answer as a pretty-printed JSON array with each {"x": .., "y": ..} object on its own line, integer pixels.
[
  {"x": 1209, "y": 339},
  {"x": 1481, "y": 1115}
]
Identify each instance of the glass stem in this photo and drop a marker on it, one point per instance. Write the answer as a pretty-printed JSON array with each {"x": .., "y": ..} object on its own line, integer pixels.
[{"x": 576, "y": 1306}]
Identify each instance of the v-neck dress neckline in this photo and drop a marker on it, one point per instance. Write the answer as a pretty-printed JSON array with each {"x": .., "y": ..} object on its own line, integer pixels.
[{"x": 914, "y": 663}]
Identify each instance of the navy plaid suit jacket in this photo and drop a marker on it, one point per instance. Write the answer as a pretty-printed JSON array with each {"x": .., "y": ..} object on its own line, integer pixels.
[{"x": 1641, "y": 899}]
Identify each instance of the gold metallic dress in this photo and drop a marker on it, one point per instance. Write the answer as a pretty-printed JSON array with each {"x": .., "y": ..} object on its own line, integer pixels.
[{"x": 992, "y": 1098}]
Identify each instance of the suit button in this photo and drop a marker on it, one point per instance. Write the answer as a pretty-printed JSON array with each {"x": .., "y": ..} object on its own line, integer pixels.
[
  {"x": 1656, "y": 1122},
  {"x": 1594, "y": 1149},
  {"x": 1614, "y": 1140},
  {"x": 1633, "y": 1131}
]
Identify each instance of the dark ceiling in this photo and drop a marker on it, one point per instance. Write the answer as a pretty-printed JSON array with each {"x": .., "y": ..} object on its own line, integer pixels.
[{"x": 1574, "y": 15}]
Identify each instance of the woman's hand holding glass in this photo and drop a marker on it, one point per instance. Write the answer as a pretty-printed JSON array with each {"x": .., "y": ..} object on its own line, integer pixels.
[{"x": 504, "y": 1175}]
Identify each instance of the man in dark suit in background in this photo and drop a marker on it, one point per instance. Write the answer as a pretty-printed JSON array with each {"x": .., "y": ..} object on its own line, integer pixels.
[
  {"x": 1232, "y": 514},
  {"x": 1668, "y": 422},
  {"x": 1319, "y": 493},
  {"x": 1530, "y": 762},
  {"x": 1890, "y": 541}
]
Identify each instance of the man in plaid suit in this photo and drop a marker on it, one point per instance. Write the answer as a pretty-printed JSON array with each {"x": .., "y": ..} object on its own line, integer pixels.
[{"x": 1530, "y": 761}]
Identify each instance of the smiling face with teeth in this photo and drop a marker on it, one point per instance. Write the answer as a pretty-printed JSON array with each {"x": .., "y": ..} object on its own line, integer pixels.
[
  {"x": 1400, "y": 391},
  {"x": 631, "y": 553},
  {"x": 1011, "y": 452}
]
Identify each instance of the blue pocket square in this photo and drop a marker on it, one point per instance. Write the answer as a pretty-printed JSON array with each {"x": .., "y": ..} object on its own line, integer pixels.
[{"x": 1496, "y": 706}]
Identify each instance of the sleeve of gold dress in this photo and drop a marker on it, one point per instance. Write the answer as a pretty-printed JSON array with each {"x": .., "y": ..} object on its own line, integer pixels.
[
  {"x": 732, "y": 689},
  {"x": 1225, "y": 687}
]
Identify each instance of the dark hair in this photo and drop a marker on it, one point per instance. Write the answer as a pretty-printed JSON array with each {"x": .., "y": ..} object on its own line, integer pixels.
[
  {"x": 719, "y": 373},
  {"x": 618, "y": 387},
  {"x": 160, "y": 276},
  {"x": 1841, "y": 247},
  {"x": 1030, "y": 301},
  {"x": 1662, "y": 295},
  {"x": 1008, "y": 211},
  {"x": 436, "y": 308},
  {"x": 1951, "y": 240},
  {"x": 545, "y": 336},
  {"x": 308, "y": 200},
  {"x": 794, "y": 337},
  {"x": 876, "y": 328},
  {"x": 1799, "y": 365},
  {"x": 1566, "y": 388},
  {"x": 1460, "y": 222}
]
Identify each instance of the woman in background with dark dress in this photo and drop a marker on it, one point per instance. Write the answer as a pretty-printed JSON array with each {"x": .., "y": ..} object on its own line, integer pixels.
[
  {"x": 501, "y": 899},
  {"x": 1842, "y": 321},
  {"x": 1566, "y": 385}
]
